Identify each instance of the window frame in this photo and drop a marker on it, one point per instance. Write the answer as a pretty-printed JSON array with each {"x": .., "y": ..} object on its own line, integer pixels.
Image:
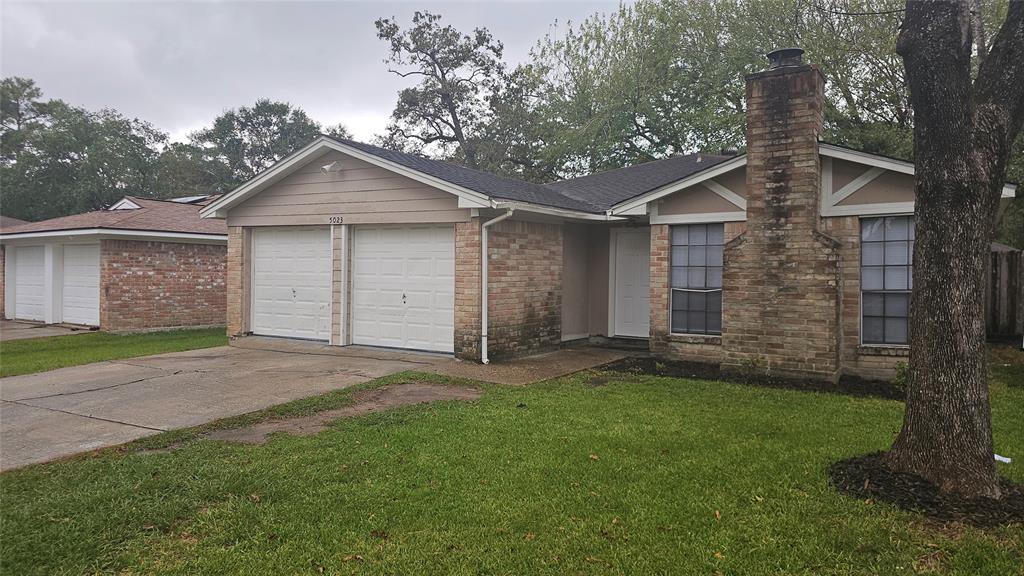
[
  {"x": 911, "y": 239},
  {"x": 672, "y": 289}
]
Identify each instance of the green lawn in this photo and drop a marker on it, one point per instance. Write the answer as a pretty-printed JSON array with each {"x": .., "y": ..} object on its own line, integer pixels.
[
  {"x": 41, "y": 354},
  {"x": 639, "y": 476}
]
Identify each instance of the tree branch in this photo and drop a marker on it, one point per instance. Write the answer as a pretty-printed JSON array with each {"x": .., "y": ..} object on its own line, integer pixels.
[{"x": 1000, "y": 80}]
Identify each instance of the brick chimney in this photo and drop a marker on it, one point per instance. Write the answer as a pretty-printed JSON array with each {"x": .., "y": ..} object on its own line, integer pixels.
[{"x": 780, "y": 295}]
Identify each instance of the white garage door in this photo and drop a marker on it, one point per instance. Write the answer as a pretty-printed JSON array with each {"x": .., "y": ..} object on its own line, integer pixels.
[
  {"x": 291, "y": 289},
  {"x": 403, "y": 293},
  {"x": 29, "y": 282},
  {"x": 80, "y": 295}
]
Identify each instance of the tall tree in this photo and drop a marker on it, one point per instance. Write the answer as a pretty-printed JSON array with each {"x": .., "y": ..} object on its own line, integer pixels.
[
  {"x": 964, "y": 130},
  {"x": 250, "y": 139},
  {"x": 456, "y": 72}
]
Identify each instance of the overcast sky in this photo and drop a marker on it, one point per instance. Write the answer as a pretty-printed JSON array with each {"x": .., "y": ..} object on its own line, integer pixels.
[{"x": 180, "y": 64}]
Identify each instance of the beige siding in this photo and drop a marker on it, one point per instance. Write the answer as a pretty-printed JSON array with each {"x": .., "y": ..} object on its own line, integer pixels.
[
  {"x": 694, "y": 200},
  {"x": 361, "y": 194},
  {"x": 735, "y": 180},
  {"x": 575, "y": 292},
  {"x": 889, "y": 187},
  {"x": 597, "y": 275}
]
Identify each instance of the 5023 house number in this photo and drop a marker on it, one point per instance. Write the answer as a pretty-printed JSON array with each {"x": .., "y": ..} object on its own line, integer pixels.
[{"x": 335, "y": 219}]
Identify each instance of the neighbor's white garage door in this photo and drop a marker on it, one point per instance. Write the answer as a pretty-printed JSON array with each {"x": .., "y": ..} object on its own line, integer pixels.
[
  {"x": 291, "y": 282},
  {"x": 403, "y": 292},
  {"x": 80, "y": 293},
  {"x": 29, "y": 266}
]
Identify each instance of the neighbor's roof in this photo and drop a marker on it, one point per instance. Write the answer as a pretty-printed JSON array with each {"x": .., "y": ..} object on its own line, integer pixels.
[
  {"x": 603, "y": 190},
  {"x": 151, "y": 216},
  {"x": 494, "y": 186},
  {"x": 8, "y": 222}
]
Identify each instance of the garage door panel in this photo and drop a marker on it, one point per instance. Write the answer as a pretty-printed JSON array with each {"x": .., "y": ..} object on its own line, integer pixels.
[
  {"x": 403, "y": 294},
  {"x": 80, "y": 292},
  {"x": 29, "y": 270},
  {"x": 291, "y": 290}
]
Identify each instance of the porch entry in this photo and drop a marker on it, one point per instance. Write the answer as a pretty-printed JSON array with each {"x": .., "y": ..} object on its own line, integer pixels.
[{"x": 631, "y": 272}]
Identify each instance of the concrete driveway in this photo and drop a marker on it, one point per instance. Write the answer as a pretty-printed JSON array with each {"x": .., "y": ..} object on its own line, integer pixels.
[
  {"x": 14, "y": 330},
  {"x": 62, "y": 412}
]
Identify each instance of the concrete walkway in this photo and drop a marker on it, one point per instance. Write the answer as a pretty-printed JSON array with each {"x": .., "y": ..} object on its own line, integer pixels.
[
  {"x": 63, "y": 412},
  {"x": 14, "y": 330}
]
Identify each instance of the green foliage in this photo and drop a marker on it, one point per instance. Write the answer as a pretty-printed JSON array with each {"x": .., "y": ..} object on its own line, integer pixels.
[
  {"x": 900, "y": 380},
  {"x": 251, "y": 139},
  {"x": 446, "y": 111},
  {"x": 687, "y": 477},
  {"x": 40, "y": 354}
]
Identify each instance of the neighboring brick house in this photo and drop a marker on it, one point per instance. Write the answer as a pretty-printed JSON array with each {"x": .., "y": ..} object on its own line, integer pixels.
[
  {"x": 138, "y": 265},
  {"x": 793, "y": 258}
]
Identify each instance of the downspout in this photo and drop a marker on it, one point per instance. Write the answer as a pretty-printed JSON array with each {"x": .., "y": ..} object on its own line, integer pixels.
[{"x": 483, "y": 282}]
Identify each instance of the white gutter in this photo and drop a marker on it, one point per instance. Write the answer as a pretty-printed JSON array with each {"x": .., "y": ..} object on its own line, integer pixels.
[
  {"x": 483, "y": 282},
  {"x": 116, "y": 233}
]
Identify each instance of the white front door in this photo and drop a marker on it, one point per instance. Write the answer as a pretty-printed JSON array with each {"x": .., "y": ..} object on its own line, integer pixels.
[
  {"x": 403, "y": 287},
  {"x": 291, "y": 282},
  {"x": 80, "y": 290},
  {"x": 30, "y": 283},
  {"x": 632, "y": 297}
]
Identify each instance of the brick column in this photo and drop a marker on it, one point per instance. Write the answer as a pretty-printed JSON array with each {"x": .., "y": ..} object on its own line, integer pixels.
[
  {"x": 661, "y": 262},
  {"x": 237, "y": 281},
  {"x": 467, "y": 290}
]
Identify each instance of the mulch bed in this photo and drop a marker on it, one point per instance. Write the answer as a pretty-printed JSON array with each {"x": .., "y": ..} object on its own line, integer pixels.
[
  {"x": 866, "y": 477},
  {"x": 848, "y": 385}
]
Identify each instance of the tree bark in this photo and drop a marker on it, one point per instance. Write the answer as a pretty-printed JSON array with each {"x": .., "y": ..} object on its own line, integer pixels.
[{"x": 963, "y": 133}]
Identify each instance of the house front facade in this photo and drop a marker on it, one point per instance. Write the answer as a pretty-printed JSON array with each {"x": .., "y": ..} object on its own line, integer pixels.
[
  {"x": 140, "y": 264},
  {"x": 793, "y": 258}
]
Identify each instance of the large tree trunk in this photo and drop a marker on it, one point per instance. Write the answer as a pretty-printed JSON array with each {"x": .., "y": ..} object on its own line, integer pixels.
[{"x": 963, "y": 132}]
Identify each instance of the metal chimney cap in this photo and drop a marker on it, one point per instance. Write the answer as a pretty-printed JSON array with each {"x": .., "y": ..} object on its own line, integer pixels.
[{"x": 782, "y": 57}]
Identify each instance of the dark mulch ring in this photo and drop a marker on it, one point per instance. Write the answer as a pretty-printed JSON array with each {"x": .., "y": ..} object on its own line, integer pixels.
[
  {"x": 866, "y": 477},
  {"x": 848, "y": 385}
]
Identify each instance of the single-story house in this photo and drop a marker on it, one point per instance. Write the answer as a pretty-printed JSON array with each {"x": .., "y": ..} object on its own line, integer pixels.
[
  {"x": 793, "y": 257},
  {"x": 139, "y": 264}
]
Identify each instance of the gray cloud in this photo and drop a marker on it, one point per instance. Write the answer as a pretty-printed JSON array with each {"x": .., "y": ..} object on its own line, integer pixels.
[{"x": 179, "y": 64}]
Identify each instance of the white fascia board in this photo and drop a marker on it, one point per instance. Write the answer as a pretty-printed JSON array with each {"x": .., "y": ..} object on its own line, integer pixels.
[
  {"x": 218, "y": 208},
  {"x": 471, "y": 203},
  {"x": 885, "y": 163},
  {"x": 678, "y": 185},
  {"x": 551, "y": 211},
  {"x": 702, "y": 218},
  {"x": 113, "y": 233},
  {"x": 877, "y": 209}
]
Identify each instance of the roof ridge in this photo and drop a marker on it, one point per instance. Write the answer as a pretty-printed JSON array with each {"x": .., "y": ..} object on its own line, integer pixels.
[{"x": 649, "y": 162}]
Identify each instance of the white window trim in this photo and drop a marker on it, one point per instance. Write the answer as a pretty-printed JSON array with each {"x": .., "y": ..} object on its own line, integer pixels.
[{"x": 860, "y": 299}]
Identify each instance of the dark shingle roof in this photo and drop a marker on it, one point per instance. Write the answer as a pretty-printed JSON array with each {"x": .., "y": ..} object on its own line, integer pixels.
[
  {"x": 8, "y": 222},
  {"x": 498, "y": 187},
  {"x": 153, "y": 215},
  {"x": 606, "y": 189}
]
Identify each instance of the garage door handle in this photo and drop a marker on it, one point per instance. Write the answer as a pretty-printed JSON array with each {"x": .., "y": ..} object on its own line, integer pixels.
[{"x": 403, "y": 298}]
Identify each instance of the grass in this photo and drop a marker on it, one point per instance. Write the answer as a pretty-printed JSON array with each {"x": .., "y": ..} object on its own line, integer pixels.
[
  {"x": 40, "y": 354},
  {"x": 640, "y": 476}
]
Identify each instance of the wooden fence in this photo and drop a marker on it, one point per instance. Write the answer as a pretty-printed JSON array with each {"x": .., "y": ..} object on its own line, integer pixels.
[{"x": 1004, "y": 300}]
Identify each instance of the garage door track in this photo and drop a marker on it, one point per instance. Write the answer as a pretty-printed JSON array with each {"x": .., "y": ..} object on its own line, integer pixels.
[{"x": 71, "y": 410}]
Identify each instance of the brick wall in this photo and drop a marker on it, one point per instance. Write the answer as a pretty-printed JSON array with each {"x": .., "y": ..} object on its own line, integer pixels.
[
  {"x": 781, "y": 277},
  {"x": 467, "y": 289},
  {"x": 525, "y": 288},
  {"x": 161, "y": 284},
  {"x": 694, "y": 348},
  {"x": 236, "y": 279},
  {"x": 865, "y": 361}
]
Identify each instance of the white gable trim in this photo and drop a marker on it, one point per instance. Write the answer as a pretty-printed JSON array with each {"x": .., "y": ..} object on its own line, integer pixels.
[
  {"x": 124, "y": 204},
  {"x": 678, "y": 185},
  {"x": 724, "y": 192},
  {"x": 884, "y": 163},
  {"x": 271, "y": 175}
]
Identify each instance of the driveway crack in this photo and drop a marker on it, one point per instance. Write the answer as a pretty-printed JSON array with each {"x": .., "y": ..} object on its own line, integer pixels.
[
  {"x": 112, "y": 421},
  {"x": 59, "y": 394}
]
